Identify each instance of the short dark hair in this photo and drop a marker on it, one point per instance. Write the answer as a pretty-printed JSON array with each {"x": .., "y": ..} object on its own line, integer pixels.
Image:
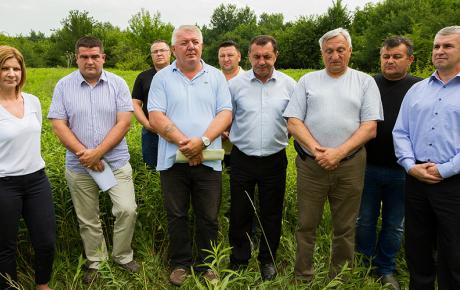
[
  {"x": 229, "y": 43},
  {"x": 263, "y": 40},
  {"x": 395, "y": 41},
  {"x": 88, "y": 41}
]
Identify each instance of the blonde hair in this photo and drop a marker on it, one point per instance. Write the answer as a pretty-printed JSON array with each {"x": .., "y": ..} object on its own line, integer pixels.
[{"x": 7, "y": 52}]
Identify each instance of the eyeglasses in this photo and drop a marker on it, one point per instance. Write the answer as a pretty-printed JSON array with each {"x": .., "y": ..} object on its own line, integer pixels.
[{"x": 159, "y": 51}]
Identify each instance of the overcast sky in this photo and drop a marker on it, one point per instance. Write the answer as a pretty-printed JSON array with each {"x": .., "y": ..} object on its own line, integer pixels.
[{"x": 22, "y": 16}]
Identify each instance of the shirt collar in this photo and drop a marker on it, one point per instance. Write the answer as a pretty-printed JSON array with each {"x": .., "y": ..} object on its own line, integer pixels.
[
  {"x": 203, "y": 64},
  {"x": 434, "y": 77},
  {"x": 82, "y": 80},
  {"x": 252, "y": 76}
]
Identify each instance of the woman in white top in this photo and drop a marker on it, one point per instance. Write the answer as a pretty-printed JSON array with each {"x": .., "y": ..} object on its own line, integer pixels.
[{"x": 24, "y": 187}]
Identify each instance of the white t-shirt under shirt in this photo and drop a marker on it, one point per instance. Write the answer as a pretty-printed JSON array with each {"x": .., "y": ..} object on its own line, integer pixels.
[{"x": 20, "y": 151}]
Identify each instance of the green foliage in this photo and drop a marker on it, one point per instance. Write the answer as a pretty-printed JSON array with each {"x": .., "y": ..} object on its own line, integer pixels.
[
  {"x": 128, "y": 49},
  {"x": 418, "y": 20},
  {"x": 76, "y": 25}
]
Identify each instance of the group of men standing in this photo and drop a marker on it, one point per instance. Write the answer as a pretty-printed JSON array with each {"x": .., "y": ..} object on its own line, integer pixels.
[{"x": 189, "y": 107}]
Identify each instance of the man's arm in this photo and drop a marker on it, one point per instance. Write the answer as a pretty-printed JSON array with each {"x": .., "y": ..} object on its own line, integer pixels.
[
  {"x": 116, "y": 134},
  {"x": 140, "y": 116},
  {"x": 66, "y": 136},
  {"x": 329, "y": 158},
  {"x": 166, "y": 128},
  {"x": 301, "y": 134}
]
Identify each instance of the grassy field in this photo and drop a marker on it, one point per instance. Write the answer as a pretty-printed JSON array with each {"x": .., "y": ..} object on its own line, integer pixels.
[{"x": 150, "y": 239}]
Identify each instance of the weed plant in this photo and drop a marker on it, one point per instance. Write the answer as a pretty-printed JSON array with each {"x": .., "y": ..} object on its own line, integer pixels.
[{"x": 150, "y": 239}]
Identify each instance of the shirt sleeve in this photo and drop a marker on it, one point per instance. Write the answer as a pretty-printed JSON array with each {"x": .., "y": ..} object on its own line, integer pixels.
[
  {"x": 297, "y": 106},
  {"x": 371, "y": 108},
  {"x": 401, "y": 138},
  {"x": 450, "y": 168},
  {"x": 123, "y": 100},
  {"x": 57, "y": 109},
  {"x": 137, "y": 88},
  {"x": 157, "y": 89},
  {"x": 224, "y": 99}
]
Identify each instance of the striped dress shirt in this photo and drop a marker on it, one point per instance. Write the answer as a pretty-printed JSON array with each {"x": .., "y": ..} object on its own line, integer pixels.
[{"x": 91, "y": 113}]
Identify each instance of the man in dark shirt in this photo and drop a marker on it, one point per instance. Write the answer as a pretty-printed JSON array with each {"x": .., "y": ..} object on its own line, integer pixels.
[
  {"x": 384, "y": 180},
  {"x": 161, "y": 54}
]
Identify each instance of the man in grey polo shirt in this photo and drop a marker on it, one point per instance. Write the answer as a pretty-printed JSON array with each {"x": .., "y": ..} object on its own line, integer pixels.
[
  {"x": 90, "y": 114},
  {"x": 332, "y": 114},
  {"x": 190, "y": 109},
  {"x": 259, "y": 135}
]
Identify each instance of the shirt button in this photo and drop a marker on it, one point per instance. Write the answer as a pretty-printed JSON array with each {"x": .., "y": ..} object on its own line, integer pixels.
[
  {"x": 432, "y": 128},
  {"x": 430, "y": 144},
  {"x": 436, "y": 113},
  {"x": 439, "y": 99}
]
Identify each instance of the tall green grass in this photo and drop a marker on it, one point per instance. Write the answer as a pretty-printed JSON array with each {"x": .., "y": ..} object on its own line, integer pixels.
[{"x": 150, "y": 238}]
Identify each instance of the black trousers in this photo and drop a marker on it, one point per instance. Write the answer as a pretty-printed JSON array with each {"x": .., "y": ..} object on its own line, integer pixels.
[
  {"x": 269, "y": 174},
  {"x": 30, "y": 196},
  {"x": 433, "y": 233},
  {"x": 200, "y": 185}
]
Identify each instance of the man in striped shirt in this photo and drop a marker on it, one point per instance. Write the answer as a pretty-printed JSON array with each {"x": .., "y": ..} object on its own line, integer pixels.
[{"x": 91, "y": 114}]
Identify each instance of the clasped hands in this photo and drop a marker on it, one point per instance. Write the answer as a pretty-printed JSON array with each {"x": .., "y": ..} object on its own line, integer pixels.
[
  {"x": 91, "y": 159},
  {"x": 192, "y": 148},
  {"x": 328, "y": 158},
  {"x": 426, "y": 172}
]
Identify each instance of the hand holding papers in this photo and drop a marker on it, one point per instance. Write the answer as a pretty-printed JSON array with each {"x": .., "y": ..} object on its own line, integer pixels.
[
  {"x": 208, "y": 155},
  {"x": 104, "y": 179}
]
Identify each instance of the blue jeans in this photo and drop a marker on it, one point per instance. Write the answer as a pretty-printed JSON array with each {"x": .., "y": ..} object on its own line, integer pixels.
[
  {"x": 149, "y": 148},
  {"x": 383, "y": 187}
]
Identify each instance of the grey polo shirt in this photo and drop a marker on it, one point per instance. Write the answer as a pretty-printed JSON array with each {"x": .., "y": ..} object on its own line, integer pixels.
[
  {"x": 333, "y": 108},
  {"x": 258, "y": 127},
  {"x": 91, "y": 113}
]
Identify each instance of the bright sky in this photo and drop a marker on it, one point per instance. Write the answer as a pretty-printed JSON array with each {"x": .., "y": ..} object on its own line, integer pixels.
[{"x": 22, "y": 16}]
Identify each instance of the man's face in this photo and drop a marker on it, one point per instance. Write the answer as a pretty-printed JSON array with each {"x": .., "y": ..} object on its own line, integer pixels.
[
  {"x": 229, "y": 58},
  {"x": 446, "y": 52},
  {"x": 187, "y": 49},
  {"x": 336, "y": 53},
  {"x": 262, "y": 59},
  {"x": 160, "y": 54},
  {"x": 395, "y": 62},
  {"x": 90, "y": 62}
]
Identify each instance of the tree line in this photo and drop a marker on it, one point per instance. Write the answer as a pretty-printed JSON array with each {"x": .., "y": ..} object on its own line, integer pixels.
[{"x": 128, "y": 49}]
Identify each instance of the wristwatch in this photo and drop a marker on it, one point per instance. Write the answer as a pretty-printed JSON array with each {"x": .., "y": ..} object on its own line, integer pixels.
[{"x": 206, "y": 141}]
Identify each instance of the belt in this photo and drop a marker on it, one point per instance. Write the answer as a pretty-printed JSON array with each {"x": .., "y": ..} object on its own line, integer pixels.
[{"x": 304, "y": 155}]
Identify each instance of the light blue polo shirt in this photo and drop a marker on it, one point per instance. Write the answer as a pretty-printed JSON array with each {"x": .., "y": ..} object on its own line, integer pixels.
[{"x": 190, "y": 104}]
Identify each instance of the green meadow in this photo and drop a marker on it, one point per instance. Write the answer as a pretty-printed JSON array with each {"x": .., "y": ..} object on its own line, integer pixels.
[{"x": 150, "y": 239}]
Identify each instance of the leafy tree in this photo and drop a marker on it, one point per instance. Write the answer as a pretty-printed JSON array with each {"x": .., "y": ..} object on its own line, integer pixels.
[
  {"x": 144, "y": 28},
  {"x": 76, "y": 25}
]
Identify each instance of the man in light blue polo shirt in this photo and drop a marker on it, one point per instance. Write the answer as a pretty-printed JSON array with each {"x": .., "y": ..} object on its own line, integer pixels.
[
  {"x": 189, "y": 106},
  {"x": 259, "y": 135},
  {"x": 91, "y": 114}
]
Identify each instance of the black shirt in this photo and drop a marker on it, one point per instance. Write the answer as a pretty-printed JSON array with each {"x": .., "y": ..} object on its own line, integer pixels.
[
  {"x": 142, "y": 86},
  {"x": 380, "y": 150}
]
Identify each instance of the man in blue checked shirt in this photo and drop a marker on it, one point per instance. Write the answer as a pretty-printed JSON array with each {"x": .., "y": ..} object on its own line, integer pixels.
[
  {"x": 427, "y": 144},
  {"x": 91, "y": 114}
]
